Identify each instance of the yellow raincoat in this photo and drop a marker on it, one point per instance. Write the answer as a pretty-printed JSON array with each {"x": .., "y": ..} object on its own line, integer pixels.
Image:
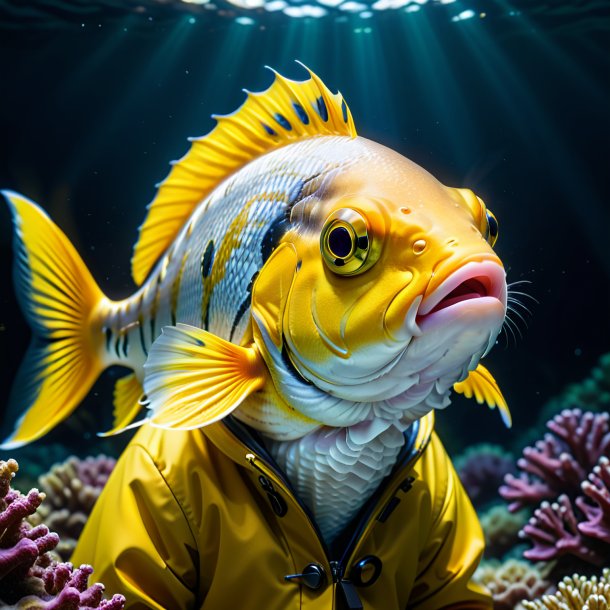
[{"x": 200, "y": 519}]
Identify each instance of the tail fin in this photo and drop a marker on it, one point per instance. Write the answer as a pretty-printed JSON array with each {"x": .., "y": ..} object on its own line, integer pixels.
[{"x": 58, "y": 297}]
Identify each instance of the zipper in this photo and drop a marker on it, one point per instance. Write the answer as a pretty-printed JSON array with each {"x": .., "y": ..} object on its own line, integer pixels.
[
  {"x": 337, "y": 567},
  {"x": 347, "y": 588}
]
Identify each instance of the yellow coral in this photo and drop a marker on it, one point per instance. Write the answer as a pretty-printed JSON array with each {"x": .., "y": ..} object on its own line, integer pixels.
[
  {"x": 511, "y": 581},
  {"x": 576, "y": 593}
]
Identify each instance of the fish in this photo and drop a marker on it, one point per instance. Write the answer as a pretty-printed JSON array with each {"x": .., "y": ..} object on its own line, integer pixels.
[{"x": 290, "y": 272}]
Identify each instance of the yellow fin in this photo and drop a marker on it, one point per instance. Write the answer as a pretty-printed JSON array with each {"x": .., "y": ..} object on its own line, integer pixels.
[
  {"x": 193, "y": 378},
  {"x": 127, "y": 394},
  {"x": 286, "y": 112},
  {"x": 58, "y": 297},
  {"x": 481, "y": 384},
  {"x": 271, "y": 289}
]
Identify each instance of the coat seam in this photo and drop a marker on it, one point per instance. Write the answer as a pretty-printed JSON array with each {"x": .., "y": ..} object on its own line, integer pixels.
[{"x": 180, "y": 505}]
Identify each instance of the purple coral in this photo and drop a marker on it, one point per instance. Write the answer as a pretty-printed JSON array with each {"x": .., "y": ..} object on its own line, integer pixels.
[
  {"x": 571, "y": 468},
  {"x": 481, "y": 469},
  {"x": 71, "y": 489},
  {"x": 28, "y": 573},
  {"x": 555, "y": 532},
  {"x": 597, "y": 490},
  {"x": 558, "y": 464}
]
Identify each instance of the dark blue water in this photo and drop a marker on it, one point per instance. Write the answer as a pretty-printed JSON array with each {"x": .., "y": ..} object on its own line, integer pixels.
[{"x": 97, "y": 98}]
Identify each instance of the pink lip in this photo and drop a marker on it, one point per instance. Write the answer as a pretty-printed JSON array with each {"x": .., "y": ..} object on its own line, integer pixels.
[{"x": 472, "y": 281}]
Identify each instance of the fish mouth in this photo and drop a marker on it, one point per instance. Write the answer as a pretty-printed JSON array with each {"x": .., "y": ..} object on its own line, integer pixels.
[{"x": 476, "y": 284}]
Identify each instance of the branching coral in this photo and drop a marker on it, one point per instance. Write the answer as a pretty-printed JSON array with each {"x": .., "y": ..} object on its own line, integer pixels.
[
  {"x": 576, "y": 593},
  {"x": 555, "y": 532},
  {"x": 72, "y": 489},
  {"x": 569, "y": 466},
  {"x": 481, "y": 469},
  {"x": 511, "y": 582},
  {"x": 558, "y": 464},
  {"x": 597, "y": 490},
  {"x": 30, "y": 578}
]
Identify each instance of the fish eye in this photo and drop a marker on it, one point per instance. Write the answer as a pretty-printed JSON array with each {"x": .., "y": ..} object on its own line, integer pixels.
[
  {"x": 345, "y": 242},
  {"x": 492, "y": 228}
]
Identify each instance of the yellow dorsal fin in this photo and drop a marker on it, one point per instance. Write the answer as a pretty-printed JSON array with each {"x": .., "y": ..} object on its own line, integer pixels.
[
  {"x": 286, "y": 112},
  {"x": 481, "y": 384}
]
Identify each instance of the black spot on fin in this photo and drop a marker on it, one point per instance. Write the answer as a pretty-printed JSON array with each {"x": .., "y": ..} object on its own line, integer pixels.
[
  {"x": 322, "y": 109},
  {"x": 283, "y": 121},
  {"x": 300, "y": 111}
]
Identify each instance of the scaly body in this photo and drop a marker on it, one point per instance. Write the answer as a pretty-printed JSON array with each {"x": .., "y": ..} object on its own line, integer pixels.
[{"x": 205, "y": 278}]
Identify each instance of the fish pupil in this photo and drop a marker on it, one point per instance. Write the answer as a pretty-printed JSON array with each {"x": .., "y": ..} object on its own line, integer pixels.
[
  {"x": 493, "y": 226},
  {"x": 340, "y": 242}
]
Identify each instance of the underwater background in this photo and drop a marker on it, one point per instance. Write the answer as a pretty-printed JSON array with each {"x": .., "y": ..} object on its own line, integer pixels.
[{"x": 508, "y": 99}]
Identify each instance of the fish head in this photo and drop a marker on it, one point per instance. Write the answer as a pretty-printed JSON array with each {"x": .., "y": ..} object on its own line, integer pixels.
[{"x": 397, "y": 287}]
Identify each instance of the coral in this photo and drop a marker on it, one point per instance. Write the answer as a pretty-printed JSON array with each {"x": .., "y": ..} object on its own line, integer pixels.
[
  {"x": 30, "y": 578},
  {"x": 71, "y": 489},
  {"x": 558, "y": 464},
  {"x": 511, "y": 582},
  {"x": 576, "y": 593},
  {"x": 501, "y": 529},
  {"x": 34, "y": 461},
  {"x": 571, "y": 467},
  {"x": 597, "y": 489},
  {"x": 481, "y": 469},
  {"x": 555, "y": 532}
]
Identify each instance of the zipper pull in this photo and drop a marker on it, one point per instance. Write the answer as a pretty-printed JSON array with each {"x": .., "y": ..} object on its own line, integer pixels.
[
  {"x": 352, "y": 600},
  {"x": 277, "y": 502},
  {"x": 350, "y": 595}
]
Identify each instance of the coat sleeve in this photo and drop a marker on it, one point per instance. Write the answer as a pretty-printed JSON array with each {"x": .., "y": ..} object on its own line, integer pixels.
[
  {"x": 138, "y": 539},
  {"x": 453, "y": 546}
]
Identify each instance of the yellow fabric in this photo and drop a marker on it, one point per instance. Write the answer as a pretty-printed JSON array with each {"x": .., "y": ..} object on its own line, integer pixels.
[{"x": 184, "y": 523}]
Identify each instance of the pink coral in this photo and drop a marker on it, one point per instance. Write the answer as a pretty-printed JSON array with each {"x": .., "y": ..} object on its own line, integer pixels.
[
  {"x": 558, "y": 464},
  {"x": 597, "y": 490},
  {"x": 29, "y": 576},
  {"x": 554, "y": 531},
  {"x": 571, "y": 467}
]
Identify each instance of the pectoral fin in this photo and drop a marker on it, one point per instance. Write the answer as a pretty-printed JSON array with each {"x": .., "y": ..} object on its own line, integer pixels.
[
  {"x": 193, "y": 378},
  {"x": 481, "y": 384}
]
